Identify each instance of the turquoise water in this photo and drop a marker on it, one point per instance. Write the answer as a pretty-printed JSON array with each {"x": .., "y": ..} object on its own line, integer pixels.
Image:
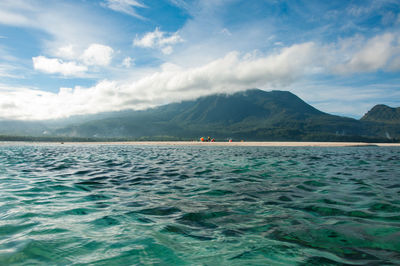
[{"x": 155, "y": 205}]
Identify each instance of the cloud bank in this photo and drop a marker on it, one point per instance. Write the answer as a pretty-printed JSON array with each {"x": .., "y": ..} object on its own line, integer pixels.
[
  {"x": 171, "y": 83},
  {"x": 77, "y": 51},
  {"x": 381, "y": 52},
  {"x": 194, "y": 57}
]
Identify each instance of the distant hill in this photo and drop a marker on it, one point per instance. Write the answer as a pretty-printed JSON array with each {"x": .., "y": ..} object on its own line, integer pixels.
[
  {"x": 383, "y": 113},
  {"x": 249, "y": 115},
  {"x": 23, "y": 128}
]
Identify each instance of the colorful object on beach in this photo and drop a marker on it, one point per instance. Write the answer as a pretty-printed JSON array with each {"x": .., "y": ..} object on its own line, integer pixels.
[
  {"x": 230, "y": 140},
  {"x": 209, "y": 139}
]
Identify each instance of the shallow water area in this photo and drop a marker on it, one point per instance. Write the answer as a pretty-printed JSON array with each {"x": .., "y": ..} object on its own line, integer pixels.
[{"x": 199, "y": 205}]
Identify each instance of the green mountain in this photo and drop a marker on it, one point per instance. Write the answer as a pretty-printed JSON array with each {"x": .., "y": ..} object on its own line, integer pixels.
[
  {"x": 23, "y": 128},
  {"x": 383, "y": 113},
  {"x": 250, "y": 115}
]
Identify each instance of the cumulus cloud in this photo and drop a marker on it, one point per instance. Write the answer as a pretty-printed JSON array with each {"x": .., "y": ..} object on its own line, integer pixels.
[
  {"x": 54, "y": 65},
  {"x": 97, "y": 55},
  {"x": 158, "y": 39},
  {"x": 149, "y": 40},
  {"x": 94, "y": 55},
  {"x": 170, "y": 83},
  {"x": 231, "y": 73},
  {"x": 125, "y": 6},
  {"x": 377, "y": 53},
  {"x": 66, "y": 52},
  {"x": 53, "y": 18},
  {"x": 173, "y": 38}
]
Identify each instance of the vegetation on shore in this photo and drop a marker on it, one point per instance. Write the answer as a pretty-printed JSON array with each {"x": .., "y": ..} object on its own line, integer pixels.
[{"x": 253, "y": 115}]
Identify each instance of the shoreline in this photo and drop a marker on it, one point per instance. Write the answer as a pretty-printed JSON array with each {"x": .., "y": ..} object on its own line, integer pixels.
[{"x": 209, "y": 144}]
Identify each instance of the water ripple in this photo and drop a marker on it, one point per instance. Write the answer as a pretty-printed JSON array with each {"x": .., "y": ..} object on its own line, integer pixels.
[{"x": 104, "y": 204}]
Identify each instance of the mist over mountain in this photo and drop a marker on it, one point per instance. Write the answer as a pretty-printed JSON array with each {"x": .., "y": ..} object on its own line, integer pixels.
[
  {"x": 22, "y": 128},
  {"x": 250, "y": 115}
]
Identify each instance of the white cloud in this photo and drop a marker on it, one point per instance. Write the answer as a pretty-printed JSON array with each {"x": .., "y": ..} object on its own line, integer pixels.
[
  {"x": 125, "y": 6},
  {"x": 12, "y": 18},
  {"x": 10, "y": 71},
  {"x": 173, "y": 38},
  {"x": 66, "y": 52},
  {"x": 228, "y": 74},
  {"x": 127, "y": 62},
  {"x": 172, "y": 82},
  {"x": 149, "y": 40},
  {"x": 167, "y": 50},
  {"x": 54, "y": 19},
  {"x": 375, "y": 54},
  {"x": 197, "y": 69},
  {"x": 207, "y": 35},
  {"x": 97, "y": 55},
  {"x": 10, "y": 12},
  {"x": 158, "y": 39},
  {"x": 94, "y": 55},
  {"x": 180, "y": 3},
  {"x": 54, "y": 65}
]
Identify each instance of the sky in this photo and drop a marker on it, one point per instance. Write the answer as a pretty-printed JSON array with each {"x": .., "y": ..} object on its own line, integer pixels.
[{"x": 65, "y": 58}]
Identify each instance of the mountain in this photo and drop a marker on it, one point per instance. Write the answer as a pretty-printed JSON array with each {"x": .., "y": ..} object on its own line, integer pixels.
[
  {"x": 218, "y": 115},
  {"x": 383, "y": 113},
  {"x": 383, "y": 120},
  {"x": 23, "y": 128},
  {"x": 249, "y": 115}
]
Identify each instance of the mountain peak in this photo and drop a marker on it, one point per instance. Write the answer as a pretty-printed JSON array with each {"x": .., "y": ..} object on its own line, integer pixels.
[
  {"x": 249, "y": 104},
  {"x": 251, "y": 115},
  {"x": 383, "y": 113}
]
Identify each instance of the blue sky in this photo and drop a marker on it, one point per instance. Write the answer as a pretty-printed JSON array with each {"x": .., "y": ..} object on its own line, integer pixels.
[{"x": 63, "y": 58}]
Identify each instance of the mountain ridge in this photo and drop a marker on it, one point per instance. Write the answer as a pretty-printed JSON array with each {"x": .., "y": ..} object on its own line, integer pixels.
[
  {"x": 382, "y": 113},
  {"x": 251, "y": 115}
]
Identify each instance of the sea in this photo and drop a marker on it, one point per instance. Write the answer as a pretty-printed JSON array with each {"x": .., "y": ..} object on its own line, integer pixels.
[{"x": 198, "y": 205}]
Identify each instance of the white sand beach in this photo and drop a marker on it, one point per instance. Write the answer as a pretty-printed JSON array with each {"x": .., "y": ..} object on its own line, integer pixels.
[{"x": 227, "y": 144}]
